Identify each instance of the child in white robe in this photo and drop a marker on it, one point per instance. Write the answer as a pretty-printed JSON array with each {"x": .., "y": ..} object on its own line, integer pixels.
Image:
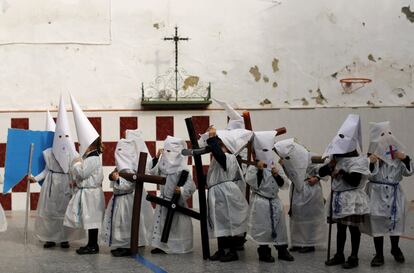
[
  {"x": 56, "y": 193},
  {"x": 388, "y": 205},
  {"x": 171, "y": 164},
  {"x": 227, "y": 206},
  {"x": 116, "y": 231},
  {"x": 267, "y": 224},
  {"x": 307, "y": 214},
  {"x": 349, "y": 203},
  {"x": 87, "y": 206}
]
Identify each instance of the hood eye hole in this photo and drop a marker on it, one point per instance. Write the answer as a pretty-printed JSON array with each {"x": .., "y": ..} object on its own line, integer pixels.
[
  {"x": 341, "y": 136},
  {"x": 66, "y": 135},
  {"x": 382, "y": 134},
  {"x": 265, "y": 150},
  {"x": 168, "y": 151},
  {"x": 119, "y": 149},
  {"x": 389, "y": 133},
  {"x": 287, "y": 158},
  {"x": 60, "y": 136}
]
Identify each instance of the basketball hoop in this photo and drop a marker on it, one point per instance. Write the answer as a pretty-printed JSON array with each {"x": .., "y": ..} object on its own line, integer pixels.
[{"x": 352, "y": 84}]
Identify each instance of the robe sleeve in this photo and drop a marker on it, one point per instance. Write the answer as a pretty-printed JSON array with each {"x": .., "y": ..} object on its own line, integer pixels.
[
  {"x": 251, "y": 177},
  {"x": 85, "y": 168},
  {"x": 407, "y": 166},
  {"x": 41, "y": 176},
  {"x": 122, "y": 184},
  {"x": 218, "y": 154},
  {"x": 282, "y": 174},
  {"x": 188, "y": 189},
  {"x": 352, "y": 178}
]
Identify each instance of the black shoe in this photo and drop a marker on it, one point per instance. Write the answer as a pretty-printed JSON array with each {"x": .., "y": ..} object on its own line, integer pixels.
[
  {"x": 307, "y": 249},
  {"x": 265, "y": 254},
  {"x": 64, "y": 245},
  {"x": 285, "y": 255},
  {"x": 377, "y": 261},
  {"x": 115, "y": 250},
  {"x": 398, "y": 255},
  {"x": 217, "y": 256},
  {"x": 352, "y": 262},
  {"x": 157, "y": 251},
  {"x": 295, "y": 248},
  {"x": 122, "y": 252},
  {"x": 336, "y": 260},
  {"x": 49, "y": 244},
  {"x": 229, "y": 257},
  {"x": 88, "y": 250}
]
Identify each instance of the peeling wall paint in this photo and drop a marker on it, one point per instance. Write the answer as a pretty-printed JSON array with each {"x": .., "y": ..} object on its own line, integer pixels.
[
  {"x": 190, "y": 81},
  {"x": 327, "y": 41}
]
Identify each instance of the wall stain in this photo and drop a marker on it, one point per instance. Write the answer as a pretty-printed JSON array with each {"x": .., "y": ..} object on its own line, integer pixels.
[
  {"x": 363, "y": 24},
  {"x": 265, "y": 78},
  {"x": 255, "y": 72},
  {"x": 371, "y": 58},
  {"x": 304, "y": 102},
  {"x": 265, "y": 102},
  {"x": 399, "y": 92},
  {"x": 408, "y": 13},
  {"x": 190, "y": 81},
  {"x": 287, "y": 102},
  {"x": 370, "y": 103},
  {"x": 274, "y": 84},
  {"x": 224, "y": 72},
  {"x": 334, "y": 75},
  {"x": 275, "y": 65},
  {"x": 320, "y": 98},
  {"x": 158, "y": 25}
]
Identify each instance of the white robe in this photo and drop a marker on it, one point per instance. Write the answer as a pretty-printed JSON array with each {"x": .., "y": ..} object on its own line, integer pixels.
[
  {"x": 227, "y": 206},
  {"x": 348, "y": 200},
  {"x": 307, "y": 222},
  {"x": 86, "y": 208},
  {"x": 54, "y": 198},
  {"x": 3, "y": 221},
  {"x": 116, "y": 230},
  {"x": 266, "y": 209},
  {"x": 181, "y": 233},
  {"x": 387, "y": 202}
]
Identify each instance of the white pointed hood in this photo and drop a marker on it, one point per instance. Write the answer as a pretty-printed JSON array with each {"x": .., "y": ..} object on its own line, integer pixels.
[
  {"x": 84, "y": 128},
  {"x": 234, "y": 140},
  {"x": 296, "y": 159},
  {"x": 383, "y": 143},
  {"x": 348, "y": 138},
  {"x": 126, "y": 157},
  {"x": 263, "y": 146},
  {"x": 171, "y": 159},
  {"x": 50, "y": 123},
  {"x": 63, "y": 146},
  {"x": 139, "y": 144},
  {"x": 235, "y": 119}
]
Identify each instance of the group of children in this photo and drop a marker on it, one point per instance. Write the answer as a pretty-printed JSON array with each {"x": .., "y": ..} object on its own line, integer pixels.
[{"x": 366, "y": 194}]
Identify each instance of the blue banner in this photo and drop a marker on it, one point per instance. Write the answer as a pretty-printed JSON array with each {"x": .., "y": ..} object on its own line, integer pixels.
[{"x": 18, "y": 152}]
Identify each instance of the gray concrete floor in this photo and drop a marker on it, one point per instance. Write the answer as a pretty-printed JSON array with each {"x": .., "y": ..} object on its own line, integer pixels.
[{"x": 16, "y": 257}]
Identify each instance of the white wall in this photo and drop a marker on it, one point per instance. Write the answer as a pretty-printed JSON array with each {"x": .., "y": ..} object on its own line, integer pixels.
[{"x": 311, "y": 39}]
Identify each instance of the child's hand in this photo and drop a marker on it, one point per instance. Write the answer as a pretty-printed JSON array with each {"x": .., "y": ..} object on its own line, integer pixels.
[
  {"x": 274, "y": 171},
  {"x": 312, "y": 180},
  {"x": 211, "y": 131},
  {"x": 373, "y": 158},
  {"x": 281, "y": 162},
  {"x": 177, "y": 190},
  {"x": 72, "y": 184},
  {"x": 399, "y": 155},
  {"x": 159, "y": 152},
  {"x": 31, "y": 179},
  {"x": 260, "y": 164}
]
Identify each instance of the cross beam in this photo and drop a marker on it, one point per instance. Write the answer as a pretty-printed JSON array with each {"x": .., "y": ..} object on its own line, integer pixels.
[
  {"x": 139, "y": 178},
  {"x": 201, "y": 179}
]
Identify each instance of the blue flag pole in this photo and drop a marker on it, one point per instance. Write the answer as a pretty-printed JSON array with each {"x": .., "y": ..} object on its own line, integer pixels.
[{"x": 29, "y": 173}]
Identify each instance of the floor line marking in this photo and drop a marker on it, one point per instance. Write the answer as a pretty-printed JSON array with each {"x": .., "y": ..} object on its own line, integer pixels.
[{"x": 149, "y": 264}]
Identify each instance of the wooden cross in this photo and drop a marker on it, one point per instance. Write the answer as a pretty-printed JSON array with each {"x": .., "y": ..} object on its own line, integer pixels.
[
  {"x": 201, "y": 179},
  {"x": 173, "y": 206},
  {"x": 176, "y": 39},
  {"x": 139, "y": 178}
]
